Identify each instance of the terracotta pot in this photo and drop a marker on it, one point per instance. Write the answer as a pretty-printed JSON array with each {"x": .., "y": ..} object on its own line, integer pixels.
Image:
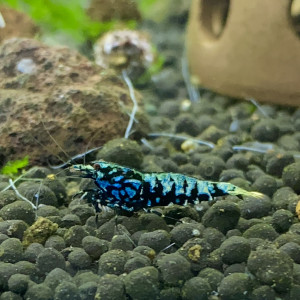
[{"x": 246, "y": 49}]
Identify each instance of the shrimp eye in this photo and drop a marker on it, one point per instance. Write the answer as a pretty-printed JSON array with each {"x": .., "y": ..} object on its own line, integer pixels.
[{"x": 96, "y": 167}]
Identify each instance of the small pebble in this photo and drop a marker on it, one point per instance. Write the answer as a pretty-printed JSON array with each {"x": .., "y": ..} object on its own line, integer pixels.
[
  {"x": 293, "y": 250},
  {"x": 282, "y": 220},
  {"x": 223, "y": 215},
  {"x": 186, "y": 124},
  {"x": 11, "y": 250},
  {"x": 183, "y": 232},
  {"x": 56, "y": 242},
  {"x": 211, "y": 167},
  {"x": 265, "y": 184},
  {"x": 70, "y": 220},
  {"x": 235, "y": 249},
  {"x": 255, "y": 207},
  {"x": 236, "y": 286},
  {"x": 122, "y": 242},
  {"x": 262, "y": 231},
  {"x": 272, "y": 267},
  {"x": 172, "y": 293},
  {"x": 213, "y": 276},
  {"x": 196, "y": 289},
  {"x": 87, "y": 291},
  {"x": 13, "y": 228},
  {"x": 157, "y": 240},
  {"x": 277, "y": 162},
  {"x": 66, "y": 291},
  {"x": 79, "y": 259},
  {"x": 237, "y": 161},
  {"x": 291, "y": 176},
  {"x": 74, "y": 235},
  {"x": 18, "y": 283},
  {"x": 136, "y": 262},
  {"x": 214, "y": 237},
  {"x": 263, "y": 292},
  {"x": 39, "y": 291},
  {"x": 50, "y": 259},
  {"x": 18, "y": 210},
  {"x": 142, "y": 283},
  {"x": 32, "y": 251},
  {"x": 265, "y": 131},
  {"x": 174, "y": 268},
  {"x": 112, "y": 262},
  {"x": 10, "y": 296},
  {"x": 55, "y": 277},
  {"x": 234, "y": 268},
  {"x": 94, "y": 247},
  {"x": 110, "y": 287}
]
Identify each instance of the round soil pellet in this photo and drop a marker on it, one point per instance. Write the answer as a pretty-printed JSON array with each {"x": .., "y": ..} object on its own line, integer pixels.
[
  {"x": 18, "y": 283},
  {"x": 265, "y": 184},
  {"x": 74, "y": 235},
  {"x": 110, "y": 287},
  {"x": 174, "y": 268},
  {"x": 112, "y": 262},
  {"x": 262, "y": 231},
  {"x": 66, "y": 291},
  {"x": 87, "y": 291},
  {"x": 94, "y": 247},
  {"x": 255, "y": 207},
  {"x": 157, "y": 240},
  {"x": 211, "y": 167},
  {"x": 11, "y": 250},
  {"x": 235, "y": 249},
  {"x": 79, "y": 259},
  {"x": 293, "y": 250},
  {"x": 236, "y": 286},
  {"x": 196, "y": 289},
  {"x": 263, "y": 292},
  {"x": 272, "y": 267},
  {"x": 185, "y": 231},
  {"x": 142, "y": 283},
  {"x": 282, "y": 220},
  {"x": 55, "y": 277},
  {"x": 291, "y": 176},
  {"x": 50, "y": 259},
  {"x": 265, "y": 131},
  {"x": 39, "y": 291},
  {"x": 213, "y": 276}
]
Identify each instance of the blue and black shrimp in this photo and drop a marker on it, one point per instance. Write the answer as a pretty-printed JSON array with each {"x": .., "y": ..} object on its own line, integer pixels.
[{"x": 127, "y": 189}]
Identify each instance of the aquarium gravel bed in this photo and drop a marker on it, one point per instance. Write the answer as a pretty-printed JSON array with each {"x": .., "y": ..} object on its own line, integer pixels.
[{"x": 229, "y": 248}]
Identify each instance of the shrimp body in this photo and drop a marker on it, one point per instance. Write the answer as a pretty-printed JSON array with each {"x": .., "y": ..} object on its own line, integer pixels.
[{"x": 131, "y": 190}]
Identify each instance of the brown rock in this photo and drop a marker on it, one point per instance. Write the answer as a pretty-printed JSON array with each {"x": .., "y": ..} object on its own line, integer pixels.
[
  {"x": 246, "y": 49},
  {"x": 56, "y": 90},
  {"x": 17, "y": 23}
]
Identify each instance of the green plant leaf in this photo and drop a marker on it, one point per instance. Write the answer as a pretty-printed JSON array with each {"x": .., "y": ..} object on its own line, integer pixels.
[{"x": 13, "y": 167}]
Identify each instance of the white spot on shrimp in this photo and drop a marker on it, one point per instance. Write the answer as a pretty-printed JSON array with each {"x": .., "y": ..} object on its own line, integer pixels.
[{"x": 26, "y": 66}]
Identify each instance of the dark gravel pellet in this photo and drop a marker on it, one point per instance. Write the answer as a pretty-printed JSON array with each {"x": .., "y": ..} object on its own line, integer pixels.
[
  {"x": 277, "y": 162},
  {"x": 262, "y": 231},
  {"x": 27, "y": 268},
  {"x": 283, "y": 197},
  {"x": 235, "y": 249},
  {"x": 174, "y": 268},
  {"x": 236, "y": 286},
  {"x": 123, "y": 151},
  {"x": 47, "y": 210},
  {"x": 230, "y": 174},
  {"x": 6, "y": 271},
  {"x": 83, "y": 277},
  {"x": 39, "y": 291},
  {"x": 291, "y": 176},
  {"x": 212, "y": 134},
  {"x": 137, "y": 261},
  {"x": 55, "y": 277},
  {"x": 87, "y": 291},
  {"x": 213, "y": 237},
  {"x": 211, "y": 167},
  {"x": 11, "y": 250},
  {"x": 183, "y": 232},
  {"x": 18, "y": 283},
  {"x": 74, "y": 235},
  {"x": 70, "y": 220},
  {"x": 3, "y": 237},
  {"x": 282, "y": 220},
  {"x": 286, "y": 238},
  {"x": 265, "y": 131},
  {"x": 293, "y": 250},
  {"x": 10, "y": 296},
  {"x": 79, "y": 259},
  {"x": 172, "y": 293},
  {"x": 169, "y": 109},
  {"x": 94, "y": 247},
  {"x": 263, "y": 292},
  {"x": 196, "y": 289},
  {"x": 265, "y": 184},
  {"x": 50, "y": 259},
  {"x": 18, "y": 210},
  {"x": 255, "y": 207},
  {"x": 32, "y": 251},
  {"x": 186, "y": 124},
  {"x": 13, "y": 228},
  {"x": 213, "y": 276},
  {"x": 83, "y": 212},
  {"x": 121, "y": 242},
  {"x": 56, "y": 242},
  {"x": 142, "y": 283},
  {"x": 157, "y": 240},
  {"x": 223, "y": 215},
  {"x": 235, "y": 268},
  {"x": 110, "y": 287},
  {"x": 112, "y": 262},
  {"x": 272, "y": 267},
  {"x": 237, "y": 161},
  {"x": 7, "y": 197},
  {"x": 66, "y": 291},
  {"x": 45, "y": 194}
]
